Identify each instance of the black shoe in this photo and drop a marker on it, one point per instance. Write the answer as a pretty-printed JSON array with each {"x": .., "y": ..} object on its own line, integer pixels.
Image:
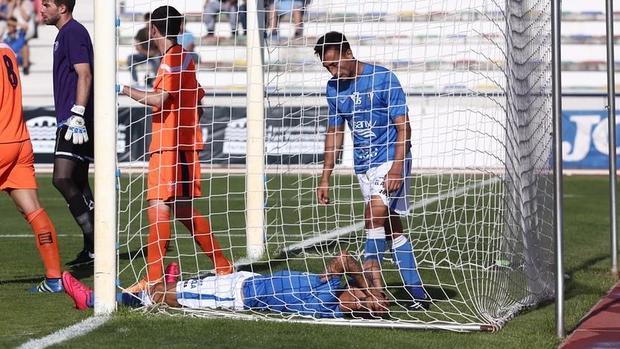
[
  {"x": 419, "y": 304},
  {"x": 26, "y": 70},
  {"x": 82, "y": 258}
]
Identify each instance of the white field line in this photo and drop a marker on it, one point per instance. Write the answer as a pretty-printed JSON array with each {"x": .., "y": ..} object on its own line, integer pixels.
[
  {"x": 357, "y": 226},
  {"x": 332, "y": 234},
  {"x": 67, "y": 333}
]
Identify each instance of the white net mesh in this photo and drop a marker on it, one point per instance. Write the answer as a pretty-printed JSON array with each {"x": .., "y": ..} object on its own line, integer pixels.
[{"x": 477, "y": 78}]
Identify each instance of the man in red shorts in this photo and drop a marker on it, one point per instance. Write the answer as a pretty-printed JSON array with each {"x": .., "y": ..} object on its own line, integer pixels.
[
  {"x": 17, "y": 170},
  {"x": 176, "y": 140}
]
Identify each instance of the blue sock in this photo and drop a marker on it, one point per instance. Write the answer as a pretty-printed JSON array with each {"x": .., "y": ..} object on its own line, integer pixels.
[
  {"x": 375, "y": 243},
  {"x": 129, "y": 299},
  {"x": 403, "y": 252}
]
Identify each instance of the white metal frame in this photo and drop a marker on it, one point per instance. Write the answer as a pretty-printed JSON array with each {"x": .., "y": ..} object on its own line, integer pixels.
[
  {"x": 105, "y": 155},
  {"x": 255, "y": 154}
]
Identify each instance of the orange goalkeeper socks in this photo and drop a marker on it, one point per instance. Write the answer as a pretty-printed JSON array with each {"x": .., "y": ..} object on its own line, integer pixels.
[
  {"x": 200, "y": 228},
  {"x": 159, "y": 235},
  {"x": 46, "y": 240}
]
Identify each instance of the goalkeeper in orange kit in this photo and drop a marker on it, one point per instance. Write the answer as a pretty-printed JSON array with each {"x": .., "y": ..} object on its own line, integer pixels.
[
  {"x": 176, "y": 140},
  {"x": 17, "y": 170}
]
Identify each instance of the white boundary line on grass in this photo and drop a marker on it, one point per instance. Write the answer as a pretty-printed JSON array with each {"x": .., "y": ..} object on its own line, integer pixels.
[
  {"x": 67, "y": 333},
  {"x": 357, "y": 226}
]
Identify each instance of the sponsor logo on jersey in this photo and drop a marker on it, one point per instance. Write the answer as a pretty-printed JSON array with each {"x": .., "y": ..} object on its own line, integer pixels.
[{"x": 363, "y": 128}]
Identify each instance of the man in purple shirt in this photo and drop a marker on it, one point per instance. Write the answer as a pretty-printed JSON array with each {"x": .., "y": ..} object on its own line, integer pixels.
[{"x": 73, "y": 100}]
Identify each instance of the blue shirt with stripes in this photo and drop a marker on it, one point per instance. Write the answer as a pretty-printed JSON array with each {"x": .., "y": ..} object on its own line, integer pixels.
[
  {"x": 293, "y": 292},
  {"x": 368, "y": 104}
]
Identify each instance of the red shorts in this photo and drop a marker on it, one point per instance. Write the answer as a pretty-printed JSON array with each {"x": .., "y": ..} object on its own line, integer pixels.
[
  {"x": 17, "y": 166},
  {"x": 173, "y": 174}
]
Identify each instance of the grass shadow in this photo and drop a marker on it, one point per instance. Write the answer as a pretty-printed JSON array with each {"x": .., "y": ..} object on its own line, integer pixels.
[{"x": 21, "y": 280}]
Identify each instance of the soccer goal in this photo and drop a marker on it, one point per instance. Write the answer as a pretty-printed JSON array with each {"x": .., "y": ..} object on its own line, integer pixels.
[{"x": 477, "y": 75}]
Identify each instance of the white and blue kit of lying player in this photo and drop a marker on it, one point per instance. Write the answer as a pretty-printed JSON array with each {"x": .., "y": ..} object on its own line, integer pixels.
[{"x": 283, "y": 291}]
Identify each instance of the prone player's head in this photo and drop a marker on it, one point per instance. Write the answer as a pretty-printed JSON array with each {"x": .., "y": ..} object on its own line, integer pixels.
[
  {"x": 335, "y": 53},
  {"x": 53, "y": 10},
  {"x": 166, "y": 23}
]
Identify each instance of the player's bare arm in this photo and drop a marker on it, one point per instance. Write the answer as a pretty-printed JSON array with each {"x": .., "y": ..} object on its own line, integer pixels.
[
  {"x": 394, "y": 178},
  {"x": 85, "y": 81},
  {"x": 366, "y": 292},
  {"x": 76, "y": 130},
  {"x": 333, "y": 145},
  {"x": 152, "y": 98},
  {"x": 344, "y": 263},
  {"x": 164, "y": 294}
]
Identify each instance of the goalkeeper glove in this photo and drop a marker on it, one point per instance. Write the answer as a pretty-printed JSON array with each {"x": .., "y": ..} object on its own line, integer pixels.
[{"x": 76, "y": 126}]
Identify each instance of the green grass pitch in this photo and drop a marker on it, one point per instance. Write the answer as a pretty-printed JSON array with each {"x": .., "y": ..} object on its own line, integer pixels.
[{"x": 26, "y": 316}]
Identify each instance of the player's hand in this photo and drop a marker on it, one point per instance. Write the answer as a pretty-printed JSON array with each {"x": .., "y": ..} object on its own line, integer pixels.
[
  {"x": 380, "y": 304},
  {"x": 393, "y": 179},
  {"x": 322, "y": 192},
  {"x": 76, "y": 126}
]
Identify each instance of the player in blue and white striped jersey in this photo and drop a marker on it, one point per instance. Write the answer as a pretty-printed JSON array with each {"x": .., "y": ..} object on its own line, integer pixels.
[
  {"x": 370, "y": 100},
  {"x": 326, "y": 295}
]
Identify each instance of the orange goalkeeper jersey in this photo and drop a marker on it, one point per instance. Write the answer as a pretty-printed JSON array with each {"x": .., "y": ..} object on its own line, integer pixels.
[
  {"x": 175, "y": 125},
  {"x": 12, "y": 125}
]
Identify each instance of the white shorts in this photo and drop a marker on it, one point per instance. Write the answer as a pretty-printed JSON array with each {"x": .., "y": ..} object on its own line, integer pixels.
[
  {"x": 372, "y": 184},
  {"x": 213, "y": 292}
]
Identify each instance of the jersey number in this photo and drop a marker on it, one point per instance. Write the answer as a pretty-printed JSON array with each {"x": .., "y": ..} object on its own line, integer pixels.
[{"x": 10, "y": 71}]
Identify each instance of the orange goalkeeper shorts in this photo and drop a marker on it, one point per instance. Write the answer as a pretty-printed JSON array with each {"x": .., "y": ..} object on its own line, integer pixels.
[
  {"x": 173, "y": 174},
  {"x": 17, "y": 166}
]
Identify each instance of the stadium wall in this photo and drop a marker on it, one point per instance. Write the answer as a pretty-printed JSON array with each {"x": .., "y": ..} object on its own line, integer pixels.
[{"x": 295, "y": 134}]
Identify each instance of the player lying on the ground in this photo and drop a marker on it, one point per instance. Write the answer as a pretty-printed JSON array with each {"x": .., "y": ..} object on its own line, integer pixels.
[
  {"x": 17, "y": 170},
  {"x": 319, "y": 295}
]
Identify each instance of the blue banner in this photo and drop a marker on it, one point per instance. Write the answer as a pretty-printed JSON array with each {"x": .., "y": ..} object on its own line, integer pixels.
[{"x": 585, "y": 139}]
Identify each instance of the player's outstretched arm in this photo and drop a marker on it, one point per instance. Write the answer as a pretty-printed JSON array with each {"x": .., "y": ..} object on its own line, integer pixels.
[
  {"x": 154, "y": 98},
  {"x": 333, "y": 145}
]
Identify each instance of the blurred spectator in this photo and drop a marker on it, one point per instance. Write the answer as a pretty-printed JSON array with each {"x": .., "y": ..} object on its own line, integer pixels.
[
  {"x": 187, "y": 40},
  {"x": 23, "y": 11},
  {"x": 293, "y": 8},
  {"x": 213, "y": 8},
  {"x": 38, "y": 19},
  {"x": 145, "y": 54},
  {"x": 15, "y": 37},
  {"x": 4, "y": 15}
]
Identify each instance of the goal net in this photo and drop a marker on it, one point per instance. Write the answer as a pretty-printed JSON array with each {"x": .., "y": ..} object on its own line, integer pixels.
[{"x": 477, "y": 80}]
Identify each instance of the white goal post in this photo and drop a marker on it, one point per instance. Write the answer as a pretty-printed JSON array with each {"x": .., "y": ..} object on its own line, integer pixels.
[
  {"x": 478, "y": 80},
  {"x": 105, "y": 153}
]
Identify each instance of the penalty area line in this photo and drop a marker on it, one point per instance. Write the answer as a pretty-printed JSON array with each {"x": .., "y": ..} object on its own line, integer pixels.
[{"x": 81, "y": 328}]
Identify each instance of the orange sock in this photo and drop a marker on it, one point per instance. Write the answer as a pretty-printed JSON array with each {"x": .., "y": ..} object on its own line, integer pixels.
[
  {"x": 200, "y": 228},
  {"x": 159, "y": 235},
  {"x": 46, "y": 240}
]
